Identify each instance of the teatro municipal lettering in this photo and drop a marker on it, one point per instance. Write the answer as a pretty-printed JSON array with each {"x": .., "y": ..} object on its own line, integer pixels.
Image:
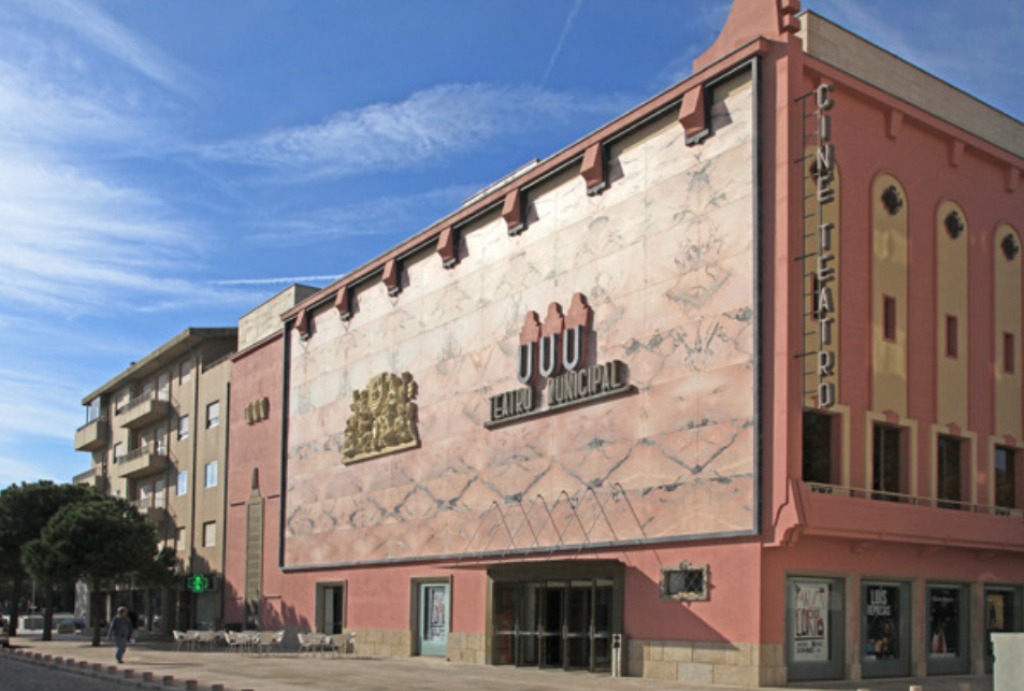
[{"x": 553, "y": 356}]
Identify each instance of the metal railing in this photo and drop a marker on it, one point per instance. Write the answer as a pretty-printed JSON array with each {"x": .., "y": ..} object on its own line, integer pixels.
[
  {"x": 912, "y": 499},
  {"x": 136, "y": 401},
  {"x": 101, "y": 418},
  {"x": 147, "y": 449}
]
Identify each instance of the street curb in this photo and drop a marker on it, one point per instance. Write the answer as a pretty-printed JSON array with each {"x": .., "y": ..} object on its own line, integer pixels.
[{"x": 123, "y": 676}]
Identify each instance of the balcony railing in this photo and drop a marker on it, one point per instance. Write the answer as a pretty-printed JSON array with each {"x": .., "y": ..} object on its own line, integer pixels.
[
  {"x": 150, "y": 507},
  {"x": 90, "y": 478},
  {"x": 91, "y": 436},
  {"x": 143, "y": 410},
  {"x": 914, "y": 500},
  {"x": 145, "y": 460}
]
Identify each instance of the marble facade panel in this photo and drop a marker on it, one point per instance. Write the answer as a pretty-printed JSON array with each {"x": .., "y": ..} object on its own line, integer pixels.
[{"x": 665, "y": 258}]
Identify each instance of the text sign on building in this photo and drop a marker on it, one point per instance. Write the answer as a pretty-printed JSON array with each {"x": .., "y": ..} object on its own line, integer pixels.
[
  {"x": 555, "y": 355},
  {"x": 826, "y": 279}
]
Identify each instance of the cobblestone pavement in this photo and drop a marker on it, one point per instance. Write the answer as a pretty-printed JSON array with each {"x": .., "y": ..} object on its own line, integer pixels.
[{"x": 150, "y": 663}]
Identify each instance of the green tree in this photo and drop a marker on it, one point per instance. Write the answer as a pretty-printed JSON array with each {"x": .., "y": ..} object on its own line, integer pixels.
[
  {"x": 100, "y": 541},
  {"x": 25, "y": 510},
  {"x": 50, "y": 571}
]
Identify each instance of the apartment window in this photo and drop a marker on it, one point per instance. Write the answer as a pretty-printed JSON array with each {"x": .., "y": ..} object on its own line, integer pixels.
[
  {"x": 949, "y": 472},
  {"x": 819, "y": 451},
  {"x": 160, "y": 493},
  {"x": 213, "y": 414},
  {"x": 182, "y": 483},
  {"x": 121, "y": 400},
  {"x": 211, "y": 474},
  {"x": 118, "y": 452},
  {"x": 179, "y": 540},
  {"x": 161, "y": 441},
  {"x": 887, "y": 462},
  {"x": 92, "y": 411},
  {"x": 1006, "y": 477},
  {"x": 184, "y": 370},
  {"x": 1009, "y": 359},
  {"x": 144, "y": 500},
  {"x": 183, "y": 427},
  {"x": 889, "y": 318},
  {"x": 163, "y": 387},
  {"x": 952, "y": 337},
  {"x": 210, "y": 534}
]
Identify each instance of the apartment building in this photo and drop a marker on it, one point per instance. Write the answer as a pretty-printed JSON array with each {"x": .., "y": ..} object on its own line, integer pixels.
[{"x": 157, "y": 433}]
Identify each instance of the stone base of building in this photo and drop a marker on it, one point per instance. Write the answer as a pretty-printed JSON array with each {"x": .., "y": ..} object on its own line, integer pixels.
[
  {"x": 747, "y": 665},
  {"x": 383, "y": 643},
  {"x": 467, "y": 647}
]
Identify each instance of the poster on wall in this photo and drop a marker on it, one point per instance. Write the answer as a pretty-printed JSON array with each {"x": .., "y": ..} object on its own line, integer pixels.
[
  {"x": 882, "y": 611},
  {"x": 810, "y": 620},
  {"x": 438, "y": 625},
  {"x": 944, "y": 622}
]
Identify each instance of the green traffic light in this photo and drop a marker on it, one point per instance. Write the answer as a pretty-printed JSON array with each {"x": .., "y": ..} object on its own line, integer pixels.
[{"x": 198, "y": 583}]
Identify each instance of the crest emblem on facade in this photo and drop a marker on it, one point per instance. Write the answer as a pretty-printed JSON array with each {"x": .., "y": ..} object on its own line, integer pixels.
[{"x": 383, "y": 418}]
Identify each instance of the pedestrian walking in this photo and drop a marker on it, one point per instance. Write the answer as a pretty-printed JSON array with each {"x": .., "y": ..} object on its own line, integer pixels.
[{"x": 121, "y": 630}]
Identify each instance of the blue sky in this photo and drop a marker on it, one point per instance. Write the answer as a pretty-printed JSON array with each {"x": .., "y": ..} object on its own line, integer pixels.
[{"x": 174, "y": 164}]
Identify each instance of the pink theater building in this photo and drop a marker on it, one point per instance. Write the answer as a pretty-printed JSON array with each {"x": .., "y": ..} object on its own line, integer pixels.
[{"x": 730, "y": 387}]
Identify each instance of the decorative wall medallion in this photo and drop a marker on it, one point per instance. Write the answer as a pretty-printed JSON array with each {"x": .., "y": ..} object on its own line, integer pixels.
[
  {"x": 257, "y": 411},
  {"x": 892, "y": 200},
  {"x": 954, "y": 225},
  {"x": 383, "y": 418},
  {"x": 1010, "y": 246}
]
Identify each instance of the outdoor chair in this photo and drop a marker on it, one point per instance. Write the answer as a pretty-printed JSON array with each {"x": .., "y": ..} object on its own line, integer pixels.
[
  {"x": 348, "y": 643},
  {"x": 236, "y": 642},
  {"x": 185, "y": 639},
  {"x": 311, "y": 642},
  {"x": 206, "y": 638},
  {"x": 266, "y": 641}
]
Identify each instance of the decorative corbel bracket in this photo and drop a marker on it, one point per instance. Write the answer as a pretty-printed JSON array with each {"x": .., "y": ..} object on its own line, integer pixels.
[
  {"x": 304, "y": 325},
  {"x": 448, "y": 247},
  {"x": 693, "y": 115},
  {"x": 391, "y": 278},
  {"x": 593, "y": 169},
  {"x": 513, "y": 212},
  {"x": 343, "y": 303}
]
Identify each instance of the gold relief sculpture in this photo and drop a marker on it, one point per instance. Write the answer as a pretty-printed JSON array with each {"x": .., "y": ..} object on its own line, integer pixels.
[{"x": 383, "y": 418}]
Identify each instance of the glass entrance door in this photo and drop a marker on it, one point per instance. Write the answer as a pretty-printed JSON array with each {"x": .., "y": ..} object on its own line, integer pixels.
[
  {"x": 577, "y": 632},
  {"x": 432, "y": 618},
  {"x": 555, "y": 623},
  {"x": 552, "y": 638}
]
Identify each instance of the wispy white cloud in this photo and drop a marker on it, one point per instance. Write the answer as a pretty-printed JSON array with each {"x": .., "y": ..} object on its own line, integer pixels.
[
  {"x": 435, "y": 122},
  {"x": 385, "y": 215},
  {"x": 75, "y": 244},
  {"x": 112, "y": 38}
]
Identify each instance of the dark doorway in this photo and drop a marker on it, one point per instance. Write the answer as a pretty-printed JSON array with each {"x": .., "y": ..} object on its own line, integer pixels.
[{"x": 562, "y": 623}]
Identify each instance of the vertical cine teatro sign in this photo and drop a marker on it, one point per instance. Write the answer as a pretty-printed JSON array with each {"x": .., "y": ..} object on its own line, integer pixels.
[{"x": 826, "y": 278}]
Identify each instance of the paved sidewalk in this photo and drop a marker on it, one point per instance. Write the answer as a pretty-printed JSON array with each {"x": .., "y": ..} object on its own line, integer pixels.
[{"x": 290, "y": 671}]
